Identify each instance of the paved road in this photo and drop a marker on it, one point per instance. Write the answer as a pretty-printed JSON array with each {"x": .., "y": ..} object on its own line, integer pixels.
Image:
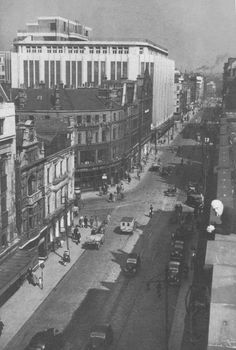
[{"x": 94, "y": 290}]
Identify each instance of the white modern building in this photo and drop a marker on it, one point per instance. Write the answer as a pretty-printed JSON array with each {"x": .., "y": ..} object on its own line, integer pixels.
[
  {"x": 8, "y": 235},
  {"x": 55, "y": 50}
]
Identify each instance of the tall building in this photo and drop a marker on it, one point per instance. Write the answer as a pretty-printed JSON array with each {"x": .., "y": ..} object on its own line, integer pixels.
[
  {"x": 229, "y": 84},
  {"x": 52, "y": 51},
  {"x": 8, "y": 233}
]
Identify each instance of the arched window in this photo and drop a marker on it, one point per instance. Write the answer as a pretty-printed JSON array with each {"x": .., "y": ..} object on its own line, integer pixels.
[{"x": 31, "y": 185}]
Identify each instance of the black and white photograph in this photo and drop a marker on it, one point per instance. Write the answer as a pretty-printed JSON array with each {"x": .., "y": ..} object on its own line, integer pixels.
[{"x": 117, "y": 175}]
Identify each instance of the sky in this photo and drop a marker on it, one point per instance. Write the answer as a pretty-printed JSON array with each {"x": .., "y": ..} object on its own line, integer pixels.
[{"x": 196, "y": 32}]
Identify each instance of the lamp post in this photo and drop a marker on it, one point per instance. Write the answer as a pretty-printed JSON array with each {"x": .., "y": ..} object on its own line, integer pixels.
[
  {"x": 66, "y": 222},
  {"x": 159, "y": 282}
]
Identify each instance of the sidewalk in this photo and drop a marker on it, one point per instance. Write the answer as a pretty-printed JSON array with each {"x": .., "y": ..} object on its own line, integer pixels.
[{"x": 18, "y": 309}]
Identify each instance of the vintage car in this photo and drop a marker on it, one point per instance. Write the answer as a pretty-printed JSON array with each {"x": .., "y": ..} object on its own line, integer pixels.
[
  {"x": 101, "y": 337},
  {"x": 127, "y": 224},
  {"x": 170, "y": 192},
  {"x": 132, "y": 264},
  {"x": 195, "y": 200},
  {"x": 174, "y": 272},
  {"x": 49, "y": 339},
  {"x": 94, "y": 241},
  {"x": 155, "y": 166},
  {"x": 177, "y": 251}
]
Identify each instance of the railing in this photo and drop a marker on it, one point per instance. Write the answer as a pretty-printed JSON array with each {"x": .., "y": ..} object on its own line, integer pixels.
[{"x": 30, "y": 200}]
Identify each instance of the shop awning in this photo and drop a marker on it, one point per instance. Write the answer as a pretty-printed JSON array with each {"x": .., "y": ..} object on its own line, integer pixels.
[{"x": 14, "y": 266}]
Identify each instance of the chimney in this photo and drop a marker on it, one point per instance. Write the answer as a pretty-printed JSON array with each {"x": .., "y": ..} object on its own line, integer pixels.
[
  {"x": 22, "y": 99},
  {"x": 57, "y": 99}
]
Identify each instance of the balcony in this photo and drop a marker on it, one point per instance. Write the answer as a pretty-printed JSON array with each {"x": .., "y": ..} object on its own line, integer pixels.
[
  {"x": 4, "y": 219},
  {"x": 35, "y": 197},
  {"x": 59, "y": 179}
]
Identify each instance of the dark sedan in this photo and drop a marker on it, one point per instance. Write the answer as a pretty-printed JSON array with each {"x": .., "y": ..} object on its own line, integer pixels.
[{"x": 132, "y": 264}]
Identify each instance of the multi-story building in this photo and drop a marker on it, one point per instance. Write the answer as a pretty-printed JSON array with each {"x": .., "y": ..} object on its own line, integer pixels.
[
  {"x": 112, "y": 124},
  {"x": 5, "y": 67},
  {"x": 58, "y": 179},
  {"x": 229, "y": 84},
  {"x": 48, "y": 52},
  {"x": 211, "y": 89},
  {"x": 8, "y": 233},
  {"x": 29, "y": 184}
]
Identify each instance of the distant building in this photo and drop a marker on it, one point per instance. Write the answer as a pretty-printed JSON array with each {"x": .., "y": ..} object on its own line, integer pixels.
[
  {"x": 229, "y": 84},
  {"x": 210, "y": 89},
  {"x": 5, "y": 67},
  {"x": 8, "y": 233},
  {"x": 55, "y": 50}
]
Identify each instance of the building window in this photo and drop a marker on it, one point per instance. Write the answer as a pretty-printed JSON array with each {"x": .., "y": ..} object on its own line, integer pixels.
[
  {"x": 141, "y": 50},
  {"x": 81, "y": 49},
  {"x": 98, "y": 49},
  {"x": 104, "y": 49},
  {"x": 49, "y": 198},
  {"x": 61, "y": 167},
  {"x": 34, "y": 49},
  {"x": 70, "y": 50},
  {"x": 48, "y": 175},
  {"x": 28, "y": 49},
  {"x": 39, "y": 48},
  {"x": 55, "y": 170},
  {"x": 55, "y": 49},
  {"x": 53, "y": 26},
  {"x": 114, "y": 134},
  {"x": 114, "y": 116},
  {"x": 88, "y": 118},
  {"x": 79, "y": 138},
  {"x": 60, "y": 49},
  {"x": 96, "y": 137},
  {"x": 31, "y": 218},
  {"x": 75, "y": 49},
  {"x": 104, "y": 136},
  {"x": 32, "y": 185},
  {"x": 79, "y": 119},
  {"x": 126, "y": 50},
  {"x": 67, "y": 164},
  {"x": 49, "y": 49},
  {"x": 97, "y": 118},
  {"x": 114, "y": 50},
  {"x": 104, "y": 118},
  {"x": 120, "y": 50},
  {"x": 55, "y": 200},
  {"x": 90, "y": 49},
  {"x": 1, "y": 126}
]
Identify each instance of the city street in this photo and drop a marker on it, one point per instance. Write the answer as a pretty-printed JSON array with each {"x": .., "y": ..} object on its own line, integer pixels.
[{"x": 95, "y": 290}]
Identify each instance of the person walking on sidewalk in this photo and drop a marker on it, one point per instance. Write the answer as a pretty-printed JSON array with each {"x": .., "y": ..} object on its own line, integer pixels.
[
  {"x": 85, "y": 221},
  {"x": 1, "y": 327},
  {"x": 151, "y": 211}
]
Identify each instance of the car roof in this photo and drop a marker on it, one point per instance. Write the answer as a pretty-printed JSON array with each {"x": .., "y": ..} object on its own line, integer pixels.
[
  {"x": 174, "y": 263},
  {"x": 132, "y": 256},
  {"x": 127, "y": 219},
  {"x": 101, "y": 328}
]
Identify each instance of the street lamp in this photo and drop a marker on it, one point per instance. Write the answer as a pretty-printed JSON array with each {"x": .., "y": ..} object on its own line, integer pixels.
[
  {"x": 65, "y": 228},
  {"x": 158, "y": 283}
]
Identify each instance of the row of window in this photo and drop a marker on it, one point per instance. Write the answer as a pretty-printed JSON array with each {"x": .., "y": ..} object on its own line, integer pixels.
[
  {"x": 57, "y": 201},
  {"x": 81, "y": 49},
  {"x": 59, "y": 169},
  {"x": 96, "y": 119}
]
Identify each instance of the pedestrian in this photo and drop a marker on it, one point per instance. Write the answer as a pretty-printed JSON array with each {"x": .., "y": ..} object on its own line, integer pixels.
[
  {"x": 81, "y": 221},
  {"x": 182, "y": 161},
  {"x": 138, "y": 174},
  {"x": 151, "y": 211},
  {"x": 193, "y": 258},
  {"x": 1, "y": 327},
  {"x": 91, "y": 221},
  {"x": 85, "y": 221},
  {"x": 129, "y": 178}
]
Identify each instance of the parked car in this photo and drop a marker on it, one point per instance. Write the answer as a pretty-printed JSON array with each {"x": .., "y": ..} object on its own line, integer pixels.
[
  {"x": 155, "y": 167},
  {"x": 49, "y": 339},
  {"x": 127, "y": 224},
  {"x": 132, "y": 264},
  {"x": 101, "y": 337},
  {"x": 174, "y": 272},
  {"x": 177, "y": 251},
  {"x": 94, "y": 241}
]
